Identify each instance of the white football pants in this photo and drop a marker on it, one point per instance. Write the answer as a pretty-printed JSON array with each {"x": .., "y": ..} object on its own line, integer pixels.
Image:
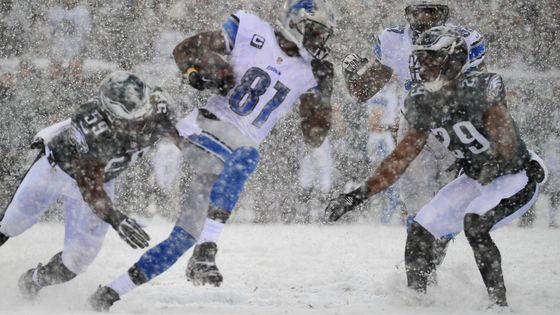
[
  {"x": 445, "y": 213},
  {"x": 42, "y": 186}
]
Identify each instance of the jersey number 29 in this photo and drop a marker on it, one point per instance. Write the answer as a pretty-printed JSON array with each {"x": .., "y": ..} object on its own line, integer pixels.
[
  {"x": 467, "y": 134},
  {"x": 245, "y": 97}
]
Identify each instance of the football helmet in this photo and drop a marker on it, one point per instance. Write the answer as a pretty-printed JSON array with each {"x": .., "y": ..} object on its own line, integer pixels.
[
  {"x": 425, "y": 14},
  {"x": 125, "y": 98},
  {"x": 309, "y": 24},
  {"x": 440, "y": 55}
]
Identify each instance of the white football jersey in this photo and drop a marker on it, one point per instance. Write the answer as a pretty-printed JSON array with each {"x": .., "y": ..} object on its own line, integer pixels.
[
  {"x": 394, "y": 46},
  {"x": 268, "y": 82}
]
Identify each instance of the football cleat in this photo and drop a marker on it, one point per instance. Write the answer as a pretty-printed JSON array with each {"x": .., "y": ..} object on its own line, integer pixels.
[
  {"x": 103, "y": 299},
  {"x": 28, "y": 288},
  {"x": 202, "y": 269}
]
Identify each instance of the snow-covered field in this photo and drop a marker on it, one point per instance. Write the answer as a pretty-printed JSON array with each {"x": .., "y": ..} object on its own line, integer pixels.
[{"x": 296, "y": 269}]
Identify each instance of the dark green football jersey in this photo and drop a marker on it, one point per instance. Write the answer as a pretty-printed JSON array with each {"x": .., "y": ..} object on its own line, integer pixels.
[
  {"x": 457, "y": 118},
  {"x": 94, "y": 136}
]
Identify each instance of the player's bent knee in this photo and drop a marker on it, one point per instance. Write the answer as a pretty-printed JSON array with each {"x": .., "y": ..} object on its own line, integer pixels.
[{"x": 231, "y": 181}]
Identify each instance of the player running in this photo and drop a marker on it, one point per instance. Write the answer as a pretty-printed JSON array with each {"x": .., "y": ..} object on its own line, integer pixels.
[
  {"x": 79, "y": 161},
  {"x": 434, "y": 166},
  {"x": 468, "y": 114},
  {"x": 266, "y": 72}
]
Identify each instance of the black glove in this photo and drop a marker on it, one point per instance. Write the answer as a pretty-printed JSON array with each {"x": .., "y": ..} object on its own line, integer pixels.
[
  {"x": 129, "y": 230},
  {"x": 346, "y": 202},
  {"x": 535, "y": 172},
  {"x": 38, "y": 143},
  {"x": 351, "y": 64},
  {"x": 201, "y": 81},
  {"x": 323, "y": 71}
]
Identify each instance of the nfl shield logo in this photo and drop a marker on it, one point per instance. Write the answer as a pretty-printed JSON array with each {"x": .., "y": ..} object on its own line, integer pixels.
[{"x": 279, "y": 60}]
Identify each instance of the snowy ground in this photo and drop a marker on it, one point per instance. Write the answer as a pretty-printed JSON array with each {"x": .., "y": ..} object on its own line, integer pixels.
[{"x": 296, "y": 269}]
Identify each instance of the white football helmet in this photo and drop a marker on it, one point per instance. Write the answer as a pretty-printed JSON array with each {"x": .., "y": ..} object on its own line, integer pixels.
[
  {"x": 425, "y": 14},
  {"x": 309, "y": 24},
  {"x": 125, "y": 97}
]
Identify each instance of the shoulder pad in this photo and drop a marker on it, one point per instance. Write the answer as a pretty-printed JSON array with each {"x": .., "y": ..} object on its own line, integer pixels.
[{"x": 417, "y": 89}]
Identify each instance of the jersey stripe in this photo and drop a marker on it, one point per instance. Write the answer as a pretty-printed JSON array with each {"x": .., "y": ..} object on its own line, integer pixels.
[
  {"x": 231, "y": 26},
  {"x": 477, "y": 51}
]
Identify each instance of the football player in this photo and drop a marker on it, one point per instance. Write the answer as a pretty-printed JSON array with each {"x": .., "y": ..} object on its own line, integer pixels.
[
  {"x": 468, "y": 114},
  {"x": 434, "y": 167},
  {"x": 258, "y": 72},
  {"x": 79, "y": 160}
]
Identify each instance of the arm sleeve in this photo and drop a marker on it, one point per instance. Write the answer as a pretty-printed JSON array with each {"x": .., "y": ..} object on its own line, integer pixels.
[{"x": 231, "y": 26}]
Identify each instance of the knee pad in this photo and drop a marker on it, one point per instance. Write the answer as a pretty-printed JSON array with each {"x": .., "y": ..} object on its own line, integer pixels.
[
  {"x": 230, "y": 182},
  {"x": 54, "y": 272}
]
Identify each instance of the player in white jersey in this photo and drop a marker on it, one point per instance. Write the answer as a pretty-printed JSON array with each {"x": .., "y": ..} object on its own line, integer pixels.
[
  {"x": 267, "y": 71},
  {"x": 383, "y": 111},
  {"x": 429, "y": 171}
]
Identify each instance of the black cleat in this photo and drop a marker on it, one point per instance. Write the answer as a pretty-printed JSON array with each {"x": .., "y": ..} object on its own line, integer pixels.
[
  {"x": 28, "y": 288},
  {"x": 202, "y": 269},
  {"x": 103, "y": 299}
]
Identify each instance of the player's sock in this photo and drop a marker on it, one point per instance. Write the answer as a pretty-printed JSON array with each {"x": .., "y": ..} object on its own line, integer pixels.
[
  {"x": 487, "y": 256},
  {"x": 3, "y": 239},
  {"x": 419, "y": 257},
  {"x": 211, "y": 231},
  {"x": 124, "y": 284}
]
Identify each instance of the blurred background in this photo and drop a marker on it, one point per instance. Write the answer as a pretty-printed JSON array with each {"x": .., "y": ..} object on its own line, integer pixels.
[{"x": 53, "y": 54}]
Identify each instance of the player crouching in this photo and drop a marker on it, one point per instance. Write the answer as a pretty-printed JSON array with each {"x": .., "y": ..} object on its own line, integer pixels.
[
  {"x": 500, "y": 177},
  {"x": 78, "y": 163}
]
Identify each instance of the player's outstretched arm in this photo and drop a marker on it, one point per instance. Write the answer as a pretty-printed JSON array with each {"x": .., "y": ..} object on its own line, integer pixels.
[
  {"x": 390, "y": 169},
  {"x": 201, "y": 60},
  {"x": 363, "y": 78},
  {"x": 89, "y": 175},
  {"x": 315, "y": 106},
  {"x": 500, "y": 129}
]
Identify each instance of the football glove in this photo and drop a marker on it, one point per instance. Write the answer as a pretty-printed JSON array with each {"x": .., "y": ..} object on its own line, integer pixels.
[
  {"x": 200, "y": 81},
  {"x": 129, "y": 230},
  {"x": 352, "y": 64},
  {"x": 346, "y": 202},
  {"x": 323, "y": 71}
]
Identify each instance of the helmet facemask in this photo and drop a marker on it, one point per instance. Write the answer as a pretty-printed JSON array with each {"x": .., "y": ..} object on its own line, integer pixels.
[
  {"x": 422, "y": 17},
  {"x": 440, "y": 57},
  {"x": 309, "y": 25},
  {"x": 125, "y": 100},
  {"x": 315, "y": 37}
]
